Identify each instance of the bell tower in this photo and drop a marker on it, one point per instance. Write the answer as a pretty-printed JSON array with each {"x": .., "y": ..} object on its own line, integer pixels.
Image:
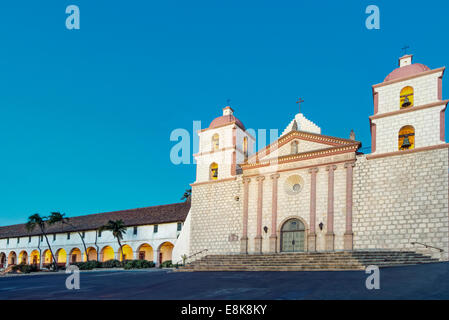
[
  {"x": 408, "y": 109},
  {"x": 222, "y": 147}
]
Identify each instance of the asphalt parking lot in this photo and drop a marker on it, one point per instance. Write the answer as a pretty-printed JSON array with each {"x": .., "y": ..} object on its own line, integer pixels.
[{"x": 410, "y": 282}]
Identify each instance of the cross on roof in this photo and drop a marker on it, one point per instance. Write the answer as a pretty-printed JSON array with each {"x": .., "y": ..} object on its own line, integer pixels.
[
  {"x": 299, "y": 101},
  {"x": 405, "y": 49}
]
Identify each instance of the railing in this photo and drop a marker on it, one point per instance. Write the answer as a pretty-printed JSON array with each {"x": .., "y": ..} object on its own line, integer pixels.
[
  {"x": 191, "y": 256},
  {"x": 427, "y": 246}
]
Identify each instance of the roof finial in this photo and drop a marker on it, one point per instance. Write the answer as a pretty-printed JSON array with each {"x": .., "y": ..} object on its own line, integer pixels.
[
  {"x": 405, "y": 49},
  {"x": 299, "y": 101}
]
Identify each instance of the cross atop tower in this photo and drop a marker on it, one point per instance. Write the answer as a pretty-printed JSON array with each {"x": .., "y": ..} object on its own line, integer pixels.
[
  {"x": 299, "y": 101},
  {"x": 405, "y": 49}
]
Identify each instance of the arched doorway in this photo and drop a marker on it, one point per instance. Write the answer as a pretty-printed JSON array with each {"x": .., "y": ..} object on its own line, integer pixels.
[
  {"x": 34, "y": 258},
  {"x": 107, "y": 253},
  {"x": 12, "y": 258},
  {"x": 145, "y": 252},
  {"x": 48, "y": 259},
  {"x": 23, "y": 257},
  {"x": 2, "y": 260},
  {"x": 293, "y": 236},
  {"x": 165, "y": 251},
  {"x": 61, "y": 257},
  {"x": 92, "y": 254},
  {"x": 75, "y": 255},
  {"x": 127, "y": 253}
]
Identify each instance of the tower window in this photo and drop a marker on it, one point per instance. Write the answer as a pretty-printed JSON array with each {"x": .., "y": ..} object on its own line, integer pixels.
[
  {"x": 155, "y": 228},
  {"x": 213, "y": 171},
  {"x": 294, "y": 147},
  {"x": 215, "y": 142},
  {"x": 406, "y": 138},
  {"x": 406, "y": 99}
]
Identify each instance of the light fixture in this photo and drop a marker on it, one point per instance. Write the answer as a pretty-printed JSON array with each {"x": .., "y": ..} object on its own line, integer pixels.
[{"x": 321, "y": 226}]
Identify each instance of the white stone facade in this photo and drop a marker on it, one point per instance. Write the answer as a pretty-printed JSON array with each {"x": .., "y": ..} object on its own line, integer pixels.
[
  {"x": 166, "y": 234},
  {"x": 389, "y": 199}
]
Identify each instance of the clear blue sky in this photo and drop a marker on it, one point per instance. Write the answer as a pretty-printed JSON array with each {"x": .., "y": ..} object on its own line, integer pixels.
[{"x": 86, "y": 115}]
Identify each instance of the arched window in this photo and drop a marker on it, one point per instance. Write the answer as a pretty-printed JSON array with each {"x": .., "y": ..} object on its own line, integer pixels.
[
  {"x": 406, "y": 99},
  {"x": 245, "y": 148},
  {"x": 294, "y": 147},
  {"x": 406, "y": 138},
  {"x": 215, "y": 142},
  {"x": 213, "y": 172}
]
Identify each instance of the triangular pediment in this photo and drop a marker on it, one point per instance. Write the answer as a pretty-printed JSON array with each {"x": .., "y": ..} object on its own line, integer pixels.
[{"x": 300, "y": 142}]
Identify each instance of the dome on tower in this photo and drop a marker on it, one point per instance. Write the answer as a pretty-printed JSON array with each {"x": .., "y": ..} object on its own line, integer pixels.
[
  {"x": 226, "y": 118},
  {"x": 406, "y": 69}
]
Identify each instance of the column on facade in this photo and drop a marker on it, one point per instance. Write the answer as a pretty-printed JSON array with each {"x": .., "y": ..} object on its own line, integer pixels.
[
  {"x": 312, "y": 232},
  {"x": 330, "y": 236},
  {"x": 41, "y": 260},
  {"x": 244, "y": 238},
  {"x": 274, "y": 210},
  {"x": 258, "y": 238},
  {"x": 348, "y": 237}
]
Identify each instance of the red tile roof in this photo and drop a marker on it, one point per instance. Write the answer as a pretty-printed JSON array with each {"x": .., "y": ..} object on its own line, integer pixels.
[
  {"x": 406, "y": 71},
  {"x": 176, "y": 212}
]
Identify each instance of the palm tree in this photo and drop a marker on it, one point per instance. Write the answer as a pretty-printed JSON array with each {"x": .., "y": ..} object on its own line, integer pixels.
[
  {"x": 187, "y": 195},
  {"x": 36, "y": 220},
  {"x": 56, "y": 217},
  {"x": 118, "y": 229}
]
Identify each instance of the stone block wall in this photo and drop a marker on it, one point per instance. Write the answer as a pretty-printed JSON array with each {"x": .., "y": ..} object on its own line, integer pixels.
[
  {"x": 216, "y": 217},
  {"x": 401, "y": 199}
]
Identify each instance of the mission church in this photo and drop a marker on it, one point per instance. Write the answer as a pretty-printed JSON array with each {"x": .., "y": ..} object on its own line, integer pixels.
[{"x": 306, "y": 192}]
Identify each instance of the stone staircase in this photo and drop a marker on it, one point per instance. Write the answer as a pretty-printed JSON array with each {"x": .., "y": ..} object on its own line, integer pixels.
[{"x": 307, "y": 261}]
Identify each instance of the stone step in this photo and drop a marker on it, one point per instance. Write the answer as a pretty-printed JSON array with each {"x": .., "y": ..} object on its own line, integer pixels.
[{"x": 357, "y": 260}]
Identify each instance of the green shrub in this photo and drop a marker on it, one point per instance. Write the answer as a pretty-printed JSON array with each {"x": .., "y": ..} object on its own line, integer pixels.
[
  {"x": 166, "y": 264},
  {"x": 138, "y": 264},
  {"x": 24, "y": 268},
  {"x": 112, "y": 264},
  {"x": 88, "y": 265}
]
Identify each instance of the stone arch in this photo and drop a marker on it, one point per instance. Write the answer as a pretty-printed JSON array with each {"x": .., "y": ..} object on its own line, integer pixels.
[
  {"x": 213, "y": 171},
  {"x": 165, "y": 251},
  {"x": 35, "y": 257},
  {"x": 107, "y": 253},
  {"x": 2, "y": 259},
  {"x": 61, "y": 257},
  {"x": 92, "y": 254},
  {"x": 12, "y": 258},
  {"x": 75, "y": 255},
  {"x": 47, "y": 258},
  {"x": 23, "y": 257},
  {"x": 145, "y": 252},
  {"x": 406, "y": 138},
  {"x": 293, "y": 237},
  {"x": 127, "y": 253},
  {"x": 282, "y": 223},
  {"x": 406, "y": 97}
]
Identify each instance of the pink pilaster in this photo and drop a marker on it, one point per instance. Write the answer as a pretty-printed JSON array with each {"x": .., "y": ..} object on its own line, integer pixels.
[
  {"x": 348, "y": 237},
  {"x": 258, "y": 238},
  {"x": 274, "y": 212},
  {"x": 244, "y": 238},
  {"x": 312, "y": 234},
  {"x": 373, "y": 137},
  {"x": 330, "y": 236}
]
